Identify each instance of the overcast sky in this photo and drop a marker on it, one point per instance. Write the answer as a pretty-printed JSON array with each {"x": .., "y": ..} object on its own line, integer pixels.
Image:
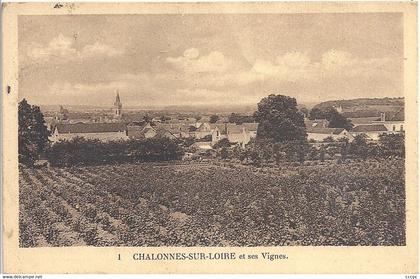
[{"x": 208, "y": 59}]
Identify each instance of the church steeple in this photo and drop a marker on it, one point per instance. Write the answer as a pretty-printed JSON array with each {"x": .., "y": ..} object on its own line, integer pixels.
[{"x": 117, "y": 106}]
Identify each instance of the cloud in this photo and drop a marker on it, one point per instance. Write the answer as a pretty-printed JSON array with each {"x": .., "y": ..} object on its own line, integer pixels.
[
  {"x": 215, "y": 70},
  {"x": 192, "y": 62},
  {"x": 137, "y": 89},
  {"x": 214, "y": 79},
  {"x": 63, "y": 47},
  {"x": 98, "y": 49},
  {"x": 297, "y": 66},
  {"x": 292, "y": 66},
  {"x": 191, "y": 53}
]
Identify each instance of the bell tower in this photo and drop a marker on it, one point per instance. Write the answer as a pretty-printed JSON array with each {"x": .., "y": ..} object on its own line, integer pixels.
[{"x": 117, "y": 107}]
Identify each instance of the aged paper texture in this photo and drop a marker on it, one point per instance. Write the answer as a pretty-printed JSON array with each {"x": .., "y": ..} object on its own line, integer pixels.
[{"x": 133, "y": 142}]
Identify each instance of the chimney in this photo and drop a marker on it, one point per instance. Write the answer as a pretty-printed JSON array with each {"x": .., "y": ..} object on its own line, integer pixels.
[{"x": 382, "y": 117}]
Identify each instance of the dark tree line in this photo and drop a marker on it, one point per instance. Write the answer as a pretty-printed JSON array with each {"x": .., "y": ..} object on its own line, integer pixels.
[
  {"x": 81, "y": 151},
  {"x": 240, "y": 119},
  {"x": 260, "y": 152}
]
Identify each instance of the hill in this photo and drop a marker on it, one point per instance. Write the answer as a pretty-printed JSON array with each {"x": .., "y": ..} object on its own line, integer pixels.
[{"x": 364, "y": 107}]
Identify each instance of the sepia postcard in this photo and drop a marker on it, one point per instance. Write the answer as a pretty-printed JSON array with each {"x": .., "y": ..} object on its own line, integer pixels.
[{"x": 210, "y": 138}]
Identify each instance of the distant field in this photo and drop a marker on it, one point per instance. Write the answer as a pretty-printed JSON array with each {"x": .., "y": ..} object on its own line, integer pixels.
[{"x": 207, "y": 205}]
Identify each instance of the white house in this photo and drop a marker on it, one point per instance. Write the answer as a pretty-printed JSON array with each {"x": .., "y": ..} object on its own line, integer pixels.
[
  {"x": 252, "y": 129},
  {"x": 372, "y": 131},
  {"x": 234, "y": 133},
  {"x": 393, "y": 122},
  {"x": 203, "y": 130},
  {"x": 319, "y": 134}
]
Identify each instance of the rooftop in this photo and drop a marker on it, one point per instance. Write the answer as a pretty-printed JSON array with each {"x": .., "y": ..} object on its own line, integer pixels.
[
  {"x": 91, "y": 128},
  {"x": 370, "y": 128},
  {"x": 326, "y": 131}
]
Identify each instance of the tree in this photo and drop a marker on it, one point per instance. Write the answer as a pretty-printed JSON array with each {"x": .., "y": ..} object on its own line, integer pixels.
[
  {"x": 313, "y": 153},
  {"x": 328, "y": 139},
  {"x": 188, "y": 141},
  {"x": 80, "y": 151},
  {"x": 279, "y": 119},
  {"x": 305, "y": 111},
  {"x": 223, "y": 143},
  {"x": 316, "y": 113},
  {"x": 214, "y": 118},
  {"x": 205, "y": 138},
  {"x": 233, "y": 117},
  {"x": 392, "y": 144},
  {"x": 278, "y": 153},
  {"x": 344, "y": 151},
  {"x": 359, "y": 146},
  {"x": 240, "y": 119},
  {"x": 41, "y": 133},
  {"x": 32, "y": 133},
  {"x": 147, "y": 118},
  {"x": 164, "y": 118},
  {"x": 322, "y": 154},
  {"x": 27, "y": 148},
  {"x": 224, "y": 154},
  {"x": 337, "y": 120}
]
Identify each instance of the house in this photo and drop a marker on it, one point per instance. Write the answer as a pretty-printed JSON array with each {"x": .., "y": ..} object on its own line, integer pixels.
[
  {"x": 372, "y": 131},
  {"x": 321, "y": 133},
  {"x": 233, "y": 132},
  {"x": 146, "y": 131},
  {"x": 178, "y": 130},
  {"x": 203, "y": 130},
  {"x": 252, "y": 129},
  {"x": 394, "y": 122},
  {"x": 388, "y": 123},
  {"x": 141, "y": 131},
  {"x": 362, "y": 120},
  {"x": 203, "y": 145},
  {"x": 317, "y": 123},
  {"x": 100, "y": 131},
  {"x": 203, "y": 149},
  {"x": 164, "y": 133}
]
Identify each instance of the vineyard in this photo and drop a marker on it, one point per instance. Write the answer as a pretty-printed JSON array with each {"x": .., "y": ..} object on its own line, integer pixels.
[{"x": 358, "y": 203}]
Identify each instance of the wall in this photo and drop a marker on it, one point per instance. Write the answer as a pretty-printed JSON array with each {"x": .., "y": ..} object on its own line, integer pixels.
[
  {"x": 389, "y": 126},
  {"x": 321, "y": 137},
  {"x": 372, "y": 135}
]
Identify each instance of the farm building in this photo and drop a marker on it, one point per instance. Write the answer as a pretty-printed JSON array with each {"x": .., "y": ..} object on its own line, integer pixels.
[
  {"x": 147, "y": 131},
  {"x": 234, "y": 133},
  {"x": 141, "y": 131},
  {"x": 319, "y": 134},
  {"x": 317, "y": 123},
  {"x": 203, "y": 130},
  {"x": 372, "y": 131},
  {"x": 393, "y": 122},
  {"x": 178, "y": 130},
  {"x": 100, "y": 131},
  {"x": 252, "y": 129},
  {"x": 203, "y": 145}
]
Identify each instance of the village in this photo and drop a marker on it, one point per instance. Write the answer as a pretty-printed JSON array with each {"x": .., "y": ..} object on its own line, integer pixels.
[
  {"x": 212, "y": 130},
  {"x": 203, "y": 131}
]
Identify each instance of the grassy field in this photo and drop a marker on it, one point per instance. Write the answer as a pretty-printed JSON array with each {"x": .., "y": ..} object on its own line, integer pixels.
[{"x": 359, "y": 203}]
